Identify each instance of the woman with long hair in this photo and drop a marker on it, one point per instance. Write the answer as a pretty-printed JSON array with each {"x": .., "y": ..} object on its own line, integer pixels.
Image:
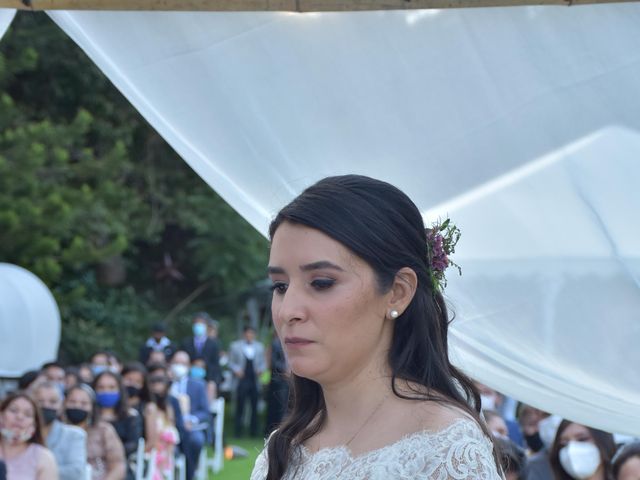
[
  {"x": 357, "y": 302},
  {"x": 105, "y": 452},
  {"x": 113, "y": 407},
  {"x": 21, "y": 444},
  {"x": 581, "y": 453}
]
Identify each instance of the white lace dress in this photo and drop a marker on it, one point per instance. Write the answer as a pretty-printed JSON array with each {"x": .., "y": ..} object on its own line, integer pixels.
[{"x": 460, "y": 451}]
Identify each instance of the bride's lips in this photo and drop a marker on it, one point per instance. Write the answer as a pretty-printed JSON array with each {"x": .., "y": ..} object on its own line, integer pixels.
[{"x": 295, "y": 342}]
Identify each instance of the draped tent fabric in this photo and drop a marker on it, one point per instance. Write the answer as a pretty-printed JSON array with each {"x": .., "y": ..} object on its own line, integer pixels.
[
  {"x": 522, "y": 123},
  {"x": 6, "y": 17}
]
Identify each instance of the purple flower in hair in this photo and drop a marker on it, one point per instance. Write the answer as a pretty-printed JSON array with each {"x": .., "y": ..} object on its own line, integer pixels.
[{"x": 441, "y": 241}]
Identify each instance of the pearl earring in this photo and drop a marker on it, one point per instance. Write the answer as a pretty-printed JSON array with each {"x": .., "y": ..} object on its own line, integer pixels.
[{"x": 394, "y": 314}]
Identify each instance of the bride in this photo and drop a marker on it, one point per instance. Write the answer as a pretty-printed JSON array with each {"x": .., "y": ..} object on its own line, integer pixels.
[{"x": 357, "y": 304}]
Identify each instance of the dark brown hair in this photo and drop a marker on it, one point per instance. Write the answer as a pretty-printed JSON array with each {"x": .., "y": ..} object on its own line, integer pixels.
[
  {"x": 37, "y": 420},
  {"x": 624, "y": 453},
  {"x": 602, "y": 440},
  {"x": 383, "y": 227}
]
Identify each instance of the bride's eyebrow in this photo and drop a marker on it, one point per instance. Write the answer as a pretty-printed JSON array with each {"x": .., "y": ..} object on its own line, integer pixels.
[{"x": 322, "y": 264}]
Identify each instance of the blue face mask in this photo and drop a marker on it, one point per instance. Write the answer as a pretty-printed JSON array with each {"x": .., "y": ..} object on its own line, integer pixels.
[
  {"x": 199, "y": 329},
  {"x": 98, "y": 369},
  {"x": 108, "y": 399},
  {"x": 198, "y": 372}
]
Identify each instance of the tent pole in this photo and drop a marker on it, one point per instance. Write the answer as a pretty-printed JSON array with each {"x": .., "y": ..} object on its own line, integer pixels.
[{"x": 278, "y": 5}]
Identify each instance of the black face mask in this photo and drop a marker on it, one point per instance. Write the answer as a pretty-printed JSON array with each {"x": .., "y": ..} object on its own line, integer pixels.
[
  {"x": 133, "y": 392},
  {"x": 49, "y": 415},
  {"x": 76, "y": 415},
  {"x": 534, "y": 441}
]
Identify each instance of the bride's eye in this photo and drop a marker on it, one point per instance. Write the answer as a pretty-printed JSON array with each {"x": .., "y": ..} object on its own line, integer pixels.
[
  {"x": 278, "y": 287},
  {"x": 322, "y": 283}
]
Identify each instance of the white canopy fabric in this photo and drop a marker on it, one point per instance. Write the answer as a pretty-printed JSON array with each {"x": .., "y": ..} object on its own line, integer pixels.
[
  {"x": 6, "y": 17},
  {"x": 29, "y": 322},
  {"x": 521, "y": 122}
]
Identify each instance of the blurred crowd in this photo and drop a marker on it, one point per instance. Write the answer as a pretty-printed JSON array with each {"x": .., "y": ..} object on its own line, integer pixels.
[
  {"x": 537, "y": 445},
  {"x": 98, "y": 419},
  {"x": 95, "y": 420}
]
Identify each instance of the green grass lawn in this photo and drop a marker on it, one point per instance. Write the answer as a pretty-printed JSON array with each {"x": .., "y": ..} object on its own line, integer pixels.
[{"x": 240, "y": 468}]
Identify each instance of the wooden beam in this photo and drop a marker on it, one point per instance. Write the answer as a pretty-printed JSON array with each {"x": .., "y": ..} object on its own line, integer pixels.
[{"x": 279, "y": 5}]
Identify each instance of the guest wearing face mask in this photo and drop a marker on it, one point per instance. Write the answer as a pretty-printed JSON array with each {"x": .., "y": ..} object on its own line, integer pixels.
[
  {"x": 134, "y": 380},
  {"x": 157, "y": 342},
  {"x": 113, "y": 407},
  {"x": 105, "y": 452},
  {"x": 581, "y": 453},
  {"x": 490, "y": 399},
  {"x": 626, "y": 462},
  {"x": 192, "y": 396},
  {"x": 99, "y": 363},
  {"x": 202, "y": 346},
  {"x": 540, "y": 430},
  {"x": 66, "y": 442},
  {"x": 21, "y": 443}
]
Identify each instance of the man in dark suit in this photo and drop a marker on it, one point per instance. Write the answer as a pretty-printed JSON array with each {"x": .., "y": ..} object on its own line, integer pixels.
[
  {"x": 192, "y": 397},
  {"x": 204, "y": 347}
]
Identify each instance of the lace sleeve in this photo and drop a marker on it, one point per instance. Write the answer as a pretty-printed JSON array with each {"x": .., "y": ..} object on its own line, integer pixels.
[
  {"x": 261, "y": 466},
  {"x": 465, "y": 453}
]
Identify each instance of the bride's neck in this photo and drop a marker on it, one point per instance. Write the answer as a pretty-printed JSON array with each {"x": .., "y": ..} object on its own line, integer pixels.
[{"x": 348, "y": 403}]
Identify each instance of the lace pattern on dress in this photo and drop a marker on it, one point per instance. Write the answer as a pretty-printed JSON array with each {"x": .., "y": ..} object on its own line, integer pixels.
[{"x": 460, "y": 451}]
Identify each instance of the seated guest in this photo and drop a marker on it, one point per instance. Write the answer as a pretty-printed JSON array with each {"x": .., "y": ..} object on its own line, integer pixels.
[
  {"x": 626, "y": 462},
  {"x": 496, "y": 423},
  {"x": 67, "y": 443},
  {"x": 21, "y": 443},
  {"x": 100, "y": 362},
  {"x": 168, "y": 410},
  {"x": 54, "y": 372},
  {"x": 134, "y": 380},
  {"x": 156, "y": 358},
  {"x": 71, "y": 377},
  {"x": 113, "y": 408},
  {"x": 192, "y": 396},
  {"x": 85, "y": 373},
  {"x": 105, "y": 452},
  {"x": 513, "y": 459},
  {"x": 581, "y": 452}
]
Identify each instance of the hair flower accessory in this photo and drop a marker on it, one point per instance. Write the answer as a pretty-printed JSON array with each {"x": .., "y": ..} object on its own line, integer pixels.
[{"x": 442, "y": 238}]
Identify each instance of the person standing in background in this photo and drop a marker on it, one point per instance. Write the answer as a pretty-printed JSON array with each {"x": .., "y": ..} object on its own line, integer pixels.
[
  {"x": 278, "y": 396},
  {"x": 201, "y": 346},
  {"x": 247, "y": 362},
  {"x": 157, "y": 342}
]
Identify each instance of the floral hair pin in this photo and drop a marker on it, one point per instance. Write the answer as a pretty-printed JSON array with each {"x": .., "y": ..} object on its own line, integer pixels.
[{"x": 441, "y": 243}]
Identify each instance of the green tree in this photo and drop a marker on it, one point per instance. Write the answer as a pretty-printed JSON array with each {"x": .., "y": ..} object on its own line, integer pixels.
[{"x": 97, "y": 205}]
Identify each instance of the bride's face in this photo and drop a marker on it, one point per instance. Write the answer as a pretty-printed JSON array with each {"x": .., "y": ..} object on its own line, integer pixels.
[{"x": 327, "y": 308}]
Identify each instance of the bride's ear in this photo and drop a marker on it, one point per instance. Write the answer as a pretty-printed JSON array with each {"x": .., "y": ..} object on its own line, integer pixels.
[{"x": 402, "y": 291}]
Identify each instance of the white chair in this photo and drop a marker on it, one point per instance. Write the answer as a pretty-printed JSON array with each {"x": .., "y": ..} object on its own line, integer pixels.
[
  {"x": 140, "y": 460},
  {"x": 181, "y": 467},
  {"x": 89, "y": 472},
  {"x": 143, "y": 460},
  {"x": 216, "y": 462},
  {"x": 217, "y": 407}
]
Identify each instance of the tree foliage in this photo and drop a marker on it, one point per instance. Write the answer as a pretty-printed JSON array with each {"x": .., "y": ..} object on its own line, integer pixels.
[{"x": 97, "y": 205}]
